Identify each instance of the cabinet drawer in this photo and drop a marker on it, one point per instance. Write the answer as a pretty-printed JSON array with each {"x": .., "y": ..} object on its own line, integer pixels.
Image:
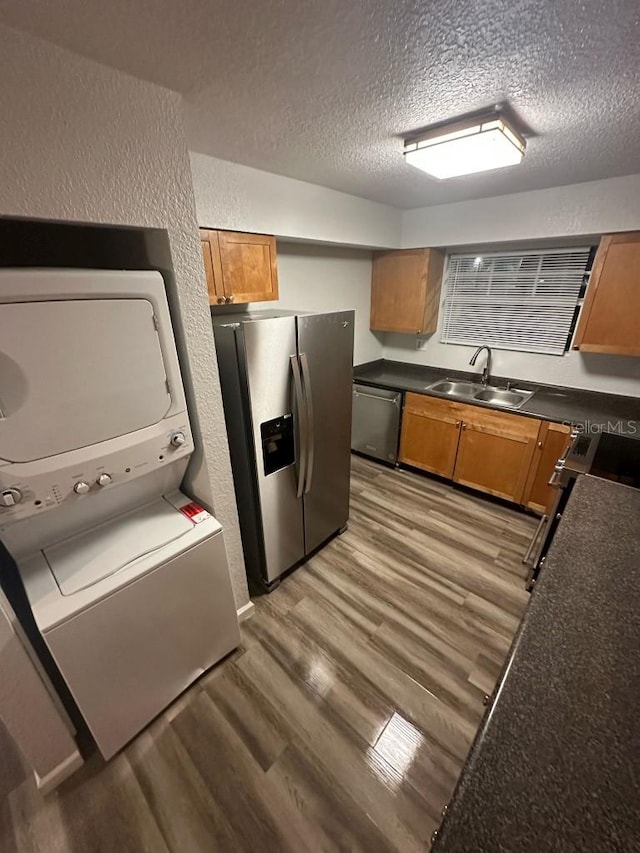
[
  {"x": 420, "y": 404},
  {"x": 498, "y": 422}
]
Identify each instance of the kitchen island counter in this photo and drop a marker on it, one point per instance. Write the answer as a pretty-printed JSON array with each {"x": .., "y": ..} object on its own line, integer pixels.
[{"x": 555, "y": 767}]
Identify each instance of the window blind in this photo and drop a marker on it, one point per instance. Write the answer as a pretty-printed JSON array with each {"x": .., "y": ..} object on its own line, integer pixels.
[{"x": 518, "y": 301}]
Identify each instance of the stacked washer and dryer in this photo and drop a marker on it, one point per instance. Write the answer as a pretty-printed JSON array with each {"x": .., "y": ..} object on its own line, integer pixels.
[{"x": 126, "y": 577}]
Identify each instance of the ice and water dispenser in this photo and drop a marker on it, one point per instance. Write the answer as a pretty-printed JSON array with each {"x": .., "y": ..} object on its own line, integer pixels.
[{"x": 278, "y": 448}]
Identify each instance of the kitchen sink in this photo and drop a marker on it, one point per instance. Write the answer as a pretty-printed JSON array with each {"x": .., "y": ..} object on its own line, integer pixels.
[
  {"x": 455, "y": 389},
  {"x": 474, "y": 392},
  {"x": 500, "y": 397}
]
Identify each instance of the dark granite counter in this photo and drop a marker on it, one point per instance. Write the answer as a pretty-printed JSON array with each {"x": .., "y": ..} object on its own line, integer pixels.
[
  {"x": 555, "y": 767},
  {"x": 591, "y": 411}
]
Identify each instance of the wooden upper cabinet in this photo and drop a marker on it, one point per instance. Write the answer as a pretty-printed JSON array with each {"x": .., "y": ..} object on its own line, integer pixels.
[
  {"x": 430, "y": 433},
  {"x": 553, "y": 440},
  {"x": 405, "y": 290},
  {"x": 610, "y": 319},
  {"x": 214, "y": 295},
  {"x": 240, "y": 267},
  {"x": 495, "y": 452}
]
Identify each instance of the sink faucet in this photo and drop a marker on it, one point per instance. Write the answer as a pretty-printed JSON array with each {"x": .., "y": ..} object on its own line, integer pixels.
[{"x": 486, "y": 373}]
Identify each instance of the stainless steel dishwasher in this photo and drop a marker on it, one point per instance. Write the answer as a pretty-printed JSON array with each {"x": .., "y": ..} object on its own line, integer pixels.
[{"x": 376, "y": 422}]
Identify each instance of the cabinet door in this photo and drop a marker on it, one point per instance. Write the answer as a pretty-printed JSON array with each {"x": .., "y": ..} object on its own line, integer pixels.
[
  {"x": 214, "y": 286},
  {"x": 248, "y": 265},
  {"x": 610, "y": 320},
  {"x": 430, "y": 433},
  {"x": 552, "y": 441},
  {"x": 495, "y": 452},
  {"x": 405, "y": 290}
]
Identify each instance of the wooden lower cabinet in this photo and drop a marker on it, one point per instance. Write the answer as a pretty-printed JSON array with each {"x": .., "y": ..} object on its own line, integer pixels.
[
  {"x": 552, "y": 442},
  {"x": 430, "y": 434},
  {"x": 495, "y": 452},
  {"x": 504, "y": 454}
]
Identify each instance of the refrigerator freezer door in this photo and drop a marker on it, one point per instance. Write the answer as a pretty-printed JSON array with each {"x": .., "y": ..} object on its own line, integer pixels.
[
  {"x": 268, "y": 347},
  {"x": 325, "y": 345}
]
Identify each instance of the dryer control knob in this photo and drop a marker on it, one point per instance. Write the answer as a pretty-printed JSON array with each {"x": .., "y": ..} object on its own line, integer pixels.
[
  {"x": 178, "y": 439},
  {"x": 10, "y": 497},
  {"x": 104, "y": 479},
  {"x": 81, "y": 488}
]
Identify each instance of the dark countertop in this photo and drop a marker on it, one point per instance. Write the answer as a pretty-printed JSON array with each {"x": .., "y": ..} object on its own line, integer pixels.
[
  {"x": 589, "y": 410},
  {"x": 555, "y": 767}
]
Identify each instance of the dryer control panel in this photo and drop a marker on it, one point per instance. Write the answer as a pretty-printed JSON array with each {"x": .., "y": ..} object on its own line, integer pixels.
[{"x": 31, "y": 488}]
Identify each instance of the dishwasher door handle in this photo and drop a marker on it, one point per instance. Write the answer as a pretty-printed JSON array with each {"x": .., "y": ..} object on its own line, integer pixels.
[{"x": 395, "y": 401}]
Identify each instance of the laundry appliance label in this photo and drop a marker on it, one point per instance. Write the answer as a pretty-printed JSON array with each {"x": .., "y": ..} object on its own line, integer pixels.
[{"x": 195, "y": 512}]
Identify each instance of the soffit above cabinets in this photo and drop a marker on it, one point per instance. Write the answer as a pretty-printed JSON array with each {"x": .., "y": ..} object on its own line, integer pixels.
[{"x": 327, "y": 92}]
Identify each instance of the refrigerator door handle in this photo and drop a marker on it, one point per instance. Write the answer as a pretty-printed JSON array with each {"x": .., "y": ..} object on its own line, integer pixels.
[
  {"x": 310, "y": 427},
  {"x": 301, "y": 414}
]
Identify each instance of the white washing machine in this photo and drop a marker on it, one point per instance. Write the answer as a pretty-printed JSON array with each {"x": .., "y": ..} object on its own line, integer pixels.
[
  {"x": 126, "y": 577},
  {"x": 132, "y": 613}
]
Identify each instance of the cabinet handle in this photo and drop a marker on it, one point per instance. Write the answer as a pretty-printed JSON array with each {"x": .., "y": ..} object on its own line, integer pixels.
[
  {"x": 539, "y": 444},
  {"x": 464, "y": 426},
  {"x": 458, "y": 423},
  {"x": 220, "y": 300},
  {"x": 228, "y": 299}
]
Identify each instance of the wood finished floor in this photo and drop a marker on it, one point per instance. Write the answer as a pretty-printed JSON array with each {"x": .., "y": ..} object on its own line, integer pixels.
[{"x": 343, "y": 721}]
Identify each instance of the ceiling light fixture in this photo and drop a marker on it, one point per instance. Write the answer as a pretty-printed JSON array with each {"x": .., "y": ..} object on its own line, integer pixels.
[{"x": 463, "y": 147}]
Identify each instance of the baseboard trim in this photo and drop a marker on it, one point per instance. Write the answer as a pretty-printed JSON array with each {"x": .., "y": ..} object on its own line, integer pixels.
[
  {"x": 246, "y": 611},
  {"x": 54, "y": 777}
]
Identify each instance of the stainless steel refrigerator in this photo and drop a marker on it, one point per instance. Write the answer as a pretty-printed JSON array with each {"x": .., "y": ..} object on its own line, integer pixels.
[{"x": 286, "y": 387}]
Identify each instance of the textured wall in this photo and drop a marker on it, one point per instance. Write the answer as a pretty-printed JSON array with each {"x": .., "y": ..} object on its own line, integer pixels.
[
  {"x": 243, "y": 199},
  {"x": 82, "y": 142},
  {"x": 233, "y": 196},
  {"x": 595, "y": 207},
  {"x": 329, "y": 278},
  {"x": 591, "y": 208}
]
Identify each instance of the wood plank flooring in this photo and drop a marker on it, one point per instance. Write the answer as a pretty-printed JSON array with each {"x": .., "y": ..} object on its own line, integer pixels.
[{"x": 344, "y": 719}]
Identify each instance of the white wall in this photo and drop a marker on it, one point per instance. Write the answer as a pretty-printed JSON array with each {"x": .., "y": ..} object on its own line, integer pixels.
[
  {"x": 82, "y": 142},
  {"x": 239, "y": 198},
  {"x": 590, "y": 208},
  {"x": 321, "y": 278},
  {"x": 608, "y": 373},
  {"x": 596, "y": 207}
]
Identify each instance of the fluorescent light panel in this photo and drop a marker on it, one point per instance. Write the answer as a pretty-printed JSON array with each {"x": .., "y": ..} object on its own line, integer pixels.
[{"x": 463, "y": 148}]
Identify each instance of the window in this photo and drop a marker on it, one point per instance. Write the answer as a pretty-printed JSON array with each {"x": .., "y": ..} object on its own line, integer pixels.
[{"x": 514, "y": 300}]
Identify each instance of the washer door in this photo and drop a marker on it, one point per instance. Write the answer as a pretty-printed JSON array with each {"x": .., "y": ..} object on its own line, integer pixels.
[
  {"x": 82, "y": 561},
  {"x": 77, "y": 372}
]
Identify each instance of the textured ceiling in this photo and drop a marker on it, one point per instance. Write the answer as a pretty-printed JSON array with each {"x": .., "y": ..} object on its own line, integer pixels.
[{"x": 325, "y": 91}]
